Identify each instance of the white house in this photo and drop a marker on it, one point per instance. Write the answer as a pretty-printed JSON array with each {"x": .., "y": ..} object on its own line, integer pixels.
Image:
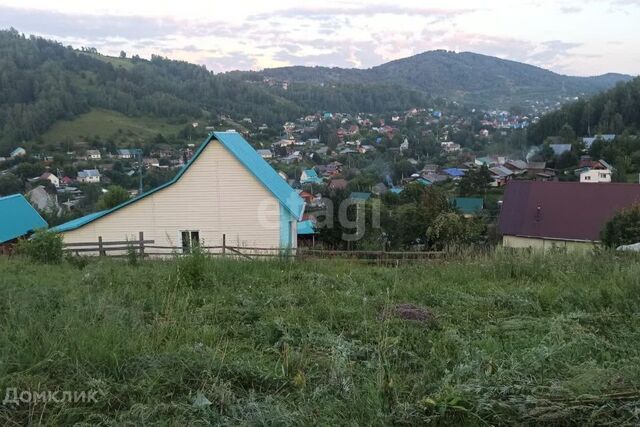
[
  {"x": 226, "y": 189},
  {"x": 125, "y": 153},
  {"x": 18, "y": 152},
  {"x": 48, "y": 176},
  {"x": 89, "y": 176},
  {"x": 94, "y": 155},
  {"x": 596, "y": 175}
]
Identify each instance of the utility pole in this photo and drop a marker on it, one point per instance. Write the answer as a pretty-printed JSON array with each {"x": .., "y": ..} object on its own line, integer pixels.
[{"x": 140, "y": 164}]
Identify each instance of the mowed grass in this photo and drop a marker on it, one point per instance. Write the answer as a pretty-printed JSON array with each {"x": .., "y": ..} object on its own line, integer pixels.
[
  {"x": 106, "y": 123},
  {"x": 515, "y": 339}
]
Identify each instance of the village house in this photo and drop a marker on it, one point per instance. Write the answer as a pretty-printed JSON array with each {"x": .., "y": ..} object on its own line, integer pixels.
[
  {"x": 226, "y": 189},
  {"x": 595, "y": 176},
  {"x": 265, "y": 154},
  {"x": 500, "y": 175},
  {"x": 449, "y": 146},
  {"x": 309, "y": 176},
  {"x": 89, "y": 176},
  {"x": 48, "y": 176},
  {"x": 93, "y": 155},
  {"x": 126, "y": 153},
  {"x": 588, "y": 141},
  {"x": 543, "y": 215},
  {"x": 17, "y": 219},
  {"x": 18, "y": 152},
  {"x": 468, "y": 206}
]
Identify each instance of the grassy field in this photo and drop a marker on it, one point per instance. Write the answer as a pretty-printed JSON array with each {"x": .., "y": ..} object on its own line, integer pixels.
[
  {"x": 105, "y": 124},
  {"x": 497, "y": 339}
]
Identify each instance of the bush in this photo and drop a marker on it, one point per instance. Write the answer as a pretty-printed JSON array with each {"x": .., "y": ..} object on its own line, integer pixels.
[
  {"x": 623, "y": 228},
  {"x": 44, "y": 247},
  {"x": 192, "y": 268}
]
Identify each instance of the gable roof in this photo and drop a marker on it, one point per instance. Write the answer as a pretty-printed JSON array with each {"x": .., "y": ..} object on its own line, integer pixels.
[
  {"x": 18, "y": 218},
  {"x": 567, "y": 210},
  {"x": 245, "y": 154}
]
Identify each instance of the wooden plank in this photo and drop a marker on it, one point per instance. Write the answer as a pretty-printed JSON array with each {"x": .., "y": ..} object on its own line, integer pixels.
[{"x": 124, "y": 242}]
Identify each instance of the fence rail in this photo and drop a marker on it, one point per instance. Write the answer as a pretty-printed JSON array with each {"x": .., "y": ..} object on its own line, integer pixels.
[{"x": 147, "y": 248}]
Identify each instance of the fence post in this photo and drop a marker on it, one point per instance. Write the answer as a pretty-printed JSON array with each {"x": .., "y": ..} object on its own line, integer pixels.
[
  {"x": 100, "y": 247},
  {"x": 141, "y": 238},
  {"x": 224, "y": 244}
]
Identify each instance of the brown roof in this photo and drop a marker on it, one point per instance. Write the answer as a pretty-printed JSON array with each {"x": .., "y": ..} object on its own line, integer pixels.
[
  {"x": 338, "y": 184},
  {"x": 562, "y": 210}
]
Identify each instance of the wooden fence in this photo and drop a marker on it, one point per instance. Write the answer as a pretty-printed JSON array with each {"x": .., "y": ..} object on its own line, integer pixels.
[{"x": 147, "y": 248}]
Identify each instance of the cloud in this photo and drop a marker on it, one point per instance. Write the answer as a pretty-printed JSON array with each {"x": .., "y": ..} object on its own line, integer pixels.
[{"x": 315, "y": 12}]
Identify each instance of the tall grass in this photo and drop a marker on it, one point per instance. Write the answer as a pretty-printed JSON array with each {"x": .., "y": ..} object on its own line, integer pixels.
[{"x": 516, "y": 339}]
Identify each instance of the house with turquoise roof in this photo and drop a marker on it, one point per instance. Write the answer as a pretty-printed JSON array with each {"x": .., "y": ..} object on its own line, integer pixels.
[{"x": 226, "y": 189}]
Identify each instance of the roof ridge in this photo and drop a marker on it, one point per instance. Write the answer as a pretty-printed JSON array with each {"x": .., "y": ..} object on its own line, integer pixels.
[{"x": 11, "y": 195}]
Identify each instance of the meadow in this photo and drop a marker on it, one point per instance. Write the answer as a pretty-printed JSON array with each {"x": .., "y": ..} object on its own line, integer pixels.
[
  {"x": 104, "y": 124},
  {"x": 493, "y": 339}
]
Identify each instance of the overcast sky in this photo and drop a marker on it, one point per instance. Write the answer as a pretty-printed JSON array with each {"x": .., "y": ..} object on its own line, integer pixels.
[{"x": 584, "y": 37}]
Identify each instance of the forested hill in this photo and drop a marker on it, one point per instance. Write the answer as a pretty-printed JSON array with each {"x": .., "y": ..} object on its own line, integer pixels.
[
  {"x": 42, "y": 81},
  {"x": 613, "y": 111},
  {"x": 481, "y": 79}
]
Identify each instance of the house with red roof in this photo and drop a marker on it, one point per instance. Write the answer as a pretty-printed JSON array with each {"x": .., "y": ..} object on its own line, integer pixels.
[{"x": 543, "y": 215}]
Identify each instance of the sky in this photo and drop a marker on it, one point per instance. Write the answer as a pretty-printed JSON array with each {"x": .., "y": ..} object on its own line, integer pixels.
[{"x": 586, "y": 37}]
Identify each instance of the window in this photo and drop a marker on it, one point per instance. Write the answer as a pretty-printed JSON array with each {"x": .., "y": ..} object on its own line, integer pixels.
[{"x": 190, "y": 239}]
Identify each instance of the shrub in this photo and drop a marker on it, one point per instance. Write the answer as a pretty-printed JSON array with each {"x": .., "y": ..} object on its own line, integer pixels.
[
  {"x": 623, "y": 228},
  {"x": 192, "y": 268},
  {"x": 78, "y": 261},
  {"x": 44, "y": 247}
]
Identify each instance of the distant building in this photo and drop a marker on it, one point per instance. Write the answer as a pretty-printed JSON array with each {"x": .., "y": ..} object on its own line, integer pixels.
[
  {"x": 588, "y": 141},
  {"x": 468, "y": 206},
  {"x": 596, "y": 176},
  {"x": 265, "y": 154},
  {"x": 18, "y": 152},
  {"x": 94, "y": 155},
  {"x": 48, "y": 176},
  {"x": 310, "y": 176},
  {"x": 89, "y": 176},
  {"x": 126, "y": 153}
]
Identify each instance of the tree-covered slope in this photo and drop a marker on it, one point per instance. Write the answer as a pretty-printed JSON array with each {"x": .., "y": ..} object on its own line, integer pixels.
[
  {"x": 469, "y": 76},
  {"x": 612, "y": 111},
  {"x": 42, "y": 81}
]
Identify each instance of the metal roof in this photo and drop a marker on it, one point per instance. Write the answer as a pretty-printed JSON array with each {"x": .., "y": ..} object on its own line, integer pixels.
[
  {"x": 468, "y": 205},
  {"x": 18, "y": 218},
  {"x": 242, "y": 151}
]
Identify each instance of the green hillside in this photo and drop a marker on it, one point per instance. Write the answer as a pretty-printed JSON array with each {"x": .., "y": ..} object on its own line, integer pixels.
[
  {"x": 105, "y": 124},
  {"x": 467, "y": 76},
  {"x": 500, "y": 339},
  {"x": 43, "y": 82}
]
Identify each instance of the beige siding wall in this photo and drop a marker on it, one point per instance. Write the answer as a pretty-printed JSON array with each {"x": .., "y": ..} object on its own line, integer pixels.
[
  {"x": 545, "y": 244},
  {"x": 217, "y": 195}
]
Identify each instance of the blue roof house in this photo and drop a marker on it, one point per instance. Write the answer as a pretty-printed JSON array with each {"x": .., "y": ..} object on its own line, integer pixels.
[
  {"x": 18, "y": 218},
  {"x": 310, "y": 176},
  {"x": 226, "y": 189},
  {"x": 454, "y": 172}
]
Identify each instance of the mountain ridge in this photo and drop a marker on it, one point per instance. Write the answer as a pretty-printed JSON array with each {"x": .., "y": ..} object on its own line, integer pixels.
[{"x": 468, "y": 76}]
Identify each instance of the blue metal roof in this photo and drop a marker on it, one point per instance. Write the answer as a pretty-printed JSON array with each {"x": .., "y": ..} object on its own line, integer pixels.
[
  {"x": 455, "y": 172},
  {"x": 18, "y": 218},
  {"x": 241, "y": 150},
  {"x": 306, "y": 228}
]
